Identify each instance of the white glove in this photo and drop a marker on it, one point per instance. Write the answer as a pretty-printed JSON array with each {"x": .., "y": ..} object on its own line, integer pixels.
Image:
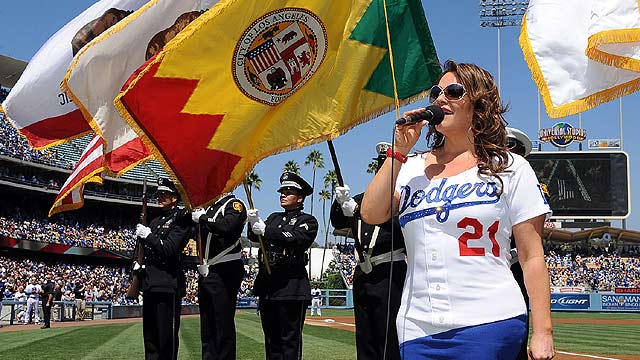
[
  {"x": 349, "y": 207},
  {"x": 252, "y": 216},
  {"x": 203, "y": 270},
  {"x": 342, "y": 194},
  {"x": 142, "y": 231},
  {"x": 136, "y": 266},
  {"x": 258, "y": 227},
  {"x": 196, "y": 214}
]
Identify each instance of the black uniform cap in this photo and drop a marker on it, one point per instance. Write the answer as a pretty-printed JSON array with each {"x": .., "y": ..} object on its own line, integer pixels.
[
  {"x": 165, "y": 184},
  {"x": 291, "y": 181}
]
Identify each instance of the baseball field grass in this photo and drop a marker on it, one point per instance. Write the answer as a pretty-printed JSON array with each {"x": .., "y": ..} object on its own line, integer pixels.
[{"x": 584, "y": 333}]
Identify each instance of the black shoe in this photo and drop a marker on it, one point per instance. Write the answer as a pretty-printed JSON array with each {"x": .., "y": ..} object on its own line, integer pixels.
[{"x": 45, "y": 327}]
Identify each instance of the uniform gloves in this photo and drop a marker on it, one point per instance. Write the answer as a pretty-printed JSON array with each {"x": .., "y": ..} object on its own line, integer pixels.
[
  {"x": 203, "y": 270},
  {"x": 349, "y": 207},
  {"x": 342, "y": 194},
  {"x": 142, "y": 231},
  {"x": 345, "y": 200},
  {"x": 257, "y": 225},
  {"x": 252, "y": 215},
  {"x": 196, "y": 214}
]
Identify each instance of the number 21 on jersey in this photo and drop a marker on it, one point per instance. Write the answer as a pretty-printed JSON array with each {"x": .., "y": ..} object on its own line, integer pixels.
[{"x": 477, "y": 233}]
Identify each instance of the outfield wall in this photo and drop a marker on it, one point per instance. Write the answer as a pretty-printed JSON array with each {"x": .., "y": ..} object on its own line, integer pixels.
[{"x": 600, "y": 302}]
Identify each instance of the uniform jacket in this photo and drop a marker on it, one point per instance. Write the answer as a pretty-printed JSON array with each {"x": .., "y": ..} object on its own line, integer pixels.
[
  {"x": 383, "y": 241},
  {"x": 47, "y": 290},
  {"x": 288, "y": 235},
  {"x": 170, "y": 233},
  {"x": 224, "y": 225}
]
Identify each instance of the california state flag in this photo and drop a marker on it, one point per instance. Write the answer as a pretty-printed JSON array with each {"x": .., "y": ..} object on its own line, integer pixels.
[
  {"x": 100, "y": 70},
  {"x": 36, "y": 106},
  {"x": 253, "y": 78}
]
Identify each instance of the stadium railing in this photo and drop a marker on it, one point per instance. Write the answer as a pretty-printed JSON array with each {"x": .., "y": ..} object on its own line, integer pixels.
[{"x": 13, "y": 311}]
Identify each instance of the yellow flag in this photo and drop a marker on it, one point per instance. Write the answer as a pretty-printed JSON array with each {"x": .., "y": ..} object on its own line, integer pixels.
[{"x": 248, "y": 79}]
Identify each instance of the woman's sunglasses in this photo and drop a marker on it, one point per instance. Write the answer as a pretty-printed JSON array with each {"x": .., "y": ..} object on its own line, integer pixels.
[{"x": 451, "y": 92}]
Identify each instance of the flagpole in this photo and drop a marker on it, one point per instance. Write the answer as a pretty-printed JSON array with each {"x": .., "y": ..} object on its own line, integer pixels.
[
  {"x": 264, "y": 253},
  {"x": 336, "y": 166},
  {"x": 391, "y": 192},
  {"x": 499, "y": 78},
  {"x": 539, "y": 122},
  {"x": 580, "y": 127},
  {"x": 621, "y": 142},
  {"x": 624, "y": 221}
]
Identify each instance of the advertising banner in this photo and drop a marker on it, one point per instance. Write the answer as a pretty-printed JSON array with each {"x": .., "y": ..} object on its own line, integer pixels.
[
  {"x": 621, "y": 302},
  {"x": 568, "y": 289},
  {"x": 570, "y": 302},
  {"x": 627, "y": 291},
  {"x": 247, "y": 303}
]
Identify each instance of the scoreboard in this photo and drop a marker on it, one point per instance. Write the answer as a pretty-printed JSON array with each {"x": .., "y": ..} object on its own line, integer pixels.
[{"x": 585, "y": 184}]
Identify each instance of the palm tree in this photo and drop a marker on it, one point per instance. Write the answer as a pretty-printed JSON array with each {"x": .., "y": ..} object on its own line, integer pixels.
[
  {"x": 316, "y": 159},
  {"x": 292, "y": 167},
  {"x": 331, "y": 180},
  {"x": 372, "y": 168},
  {"x": 324, "y": 196},
  {"x": 253, "y": 180}
]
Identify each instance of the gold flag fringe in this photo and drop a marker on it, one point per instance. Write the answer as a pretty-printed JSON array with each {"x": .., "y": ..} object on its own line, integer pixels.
[{"x": 580, "y": 105}]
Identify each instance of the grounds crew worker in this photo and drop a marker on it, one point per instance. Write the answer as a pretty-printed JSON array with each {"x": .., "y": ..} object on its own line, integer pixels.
[
  {"x": 222, "y": 272},
  {"x": 163, "y": 281},
  {"x": 371, "y": 277},
  {"x": 285, "y": 294}
]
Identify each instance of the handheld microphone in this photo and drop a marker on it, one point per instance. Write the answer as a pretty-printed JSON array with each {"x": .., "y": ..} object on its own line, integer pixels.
[{"x": 433, "y": 114}]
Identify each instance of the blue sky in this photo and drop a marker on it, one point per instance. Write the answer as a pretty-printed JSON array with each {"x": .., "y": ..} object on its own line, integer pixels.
[{"x": 457, "y": 34}]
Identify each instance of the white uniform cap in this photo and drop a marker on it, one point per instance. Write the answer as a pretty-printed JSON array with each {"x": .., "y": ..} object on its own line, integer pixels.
[
  {"x": 381, "y": 148},
  {"x": 522, "y": 138}
]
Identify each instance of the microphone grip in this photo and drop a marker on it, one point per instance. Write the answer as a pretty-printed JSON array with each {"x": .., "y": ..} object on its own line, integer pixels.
[{"x": 409, "y": 120}]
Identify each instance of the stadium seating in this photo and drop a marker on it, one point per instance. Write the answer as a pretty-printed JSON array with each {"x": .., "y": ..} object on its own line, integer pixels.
[
  {"x": 103, "y": 282},
  {"x": 64, "y": 155}
]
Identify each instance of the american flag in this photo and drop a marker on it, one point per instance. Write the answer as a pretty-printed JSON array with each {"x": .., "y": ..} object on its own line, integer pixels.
[
  {"x": 264, "y": 56},
  {"x": 90, "y": 168}
]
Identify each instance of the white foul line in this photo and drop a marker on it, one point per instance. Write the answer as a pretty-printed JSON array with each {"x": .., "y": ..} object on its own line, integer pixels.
[{"x": 589, "y": 356}]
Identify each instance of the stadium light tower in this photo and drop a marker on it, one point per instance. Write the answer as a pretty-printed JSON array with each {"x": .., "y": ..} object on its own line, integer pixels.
[{"x": 501, "y": 13}]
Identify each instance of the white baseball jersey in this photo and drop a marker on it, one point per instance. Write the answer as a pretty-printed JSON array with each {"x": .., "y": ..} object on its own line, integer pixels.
[
  {"x": 457, "y": 233},
  {"x": 33, "y": 291}
]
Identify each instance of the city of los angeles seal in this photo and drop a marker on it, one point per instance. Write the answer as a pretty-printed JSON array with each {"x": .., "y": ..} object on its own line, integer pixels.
[{"x": 278, "y": 54}]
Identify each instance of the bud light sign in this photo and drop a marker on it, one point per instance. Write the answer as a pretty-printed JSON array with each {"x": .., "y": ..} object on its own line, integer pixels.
[{"x": 570, "y": 301}]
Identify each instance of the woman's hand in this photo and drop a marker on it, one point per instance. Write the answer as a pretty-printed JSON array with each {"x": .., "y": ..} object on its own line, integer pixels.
[
  {"x": 541, "y": 346},
  {"x": 407, "y": 135}
]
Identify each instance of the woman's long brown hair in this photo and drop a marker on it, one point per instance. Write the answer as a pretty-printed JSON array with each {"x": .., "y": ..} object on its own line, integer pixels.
[{"x": 487, "y": 125}]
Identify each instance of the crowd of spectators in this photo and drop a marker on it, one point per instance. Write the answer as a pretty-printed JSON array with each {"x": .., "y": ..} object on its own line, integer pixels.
[
  {"x": 15, "y": 146},
  {"x": 346, "y": 261},
  {"x": 67, "y": 232},
  {"x": 598, "y": 269},
  {"x": 102, "y": 282},
  {"x": 250, "y": 274}
]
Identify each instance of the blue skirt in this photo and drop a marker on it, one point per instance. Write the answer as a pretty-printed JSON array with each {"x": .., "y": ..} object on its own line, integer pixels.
[{"x": 493, "y": 341}]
